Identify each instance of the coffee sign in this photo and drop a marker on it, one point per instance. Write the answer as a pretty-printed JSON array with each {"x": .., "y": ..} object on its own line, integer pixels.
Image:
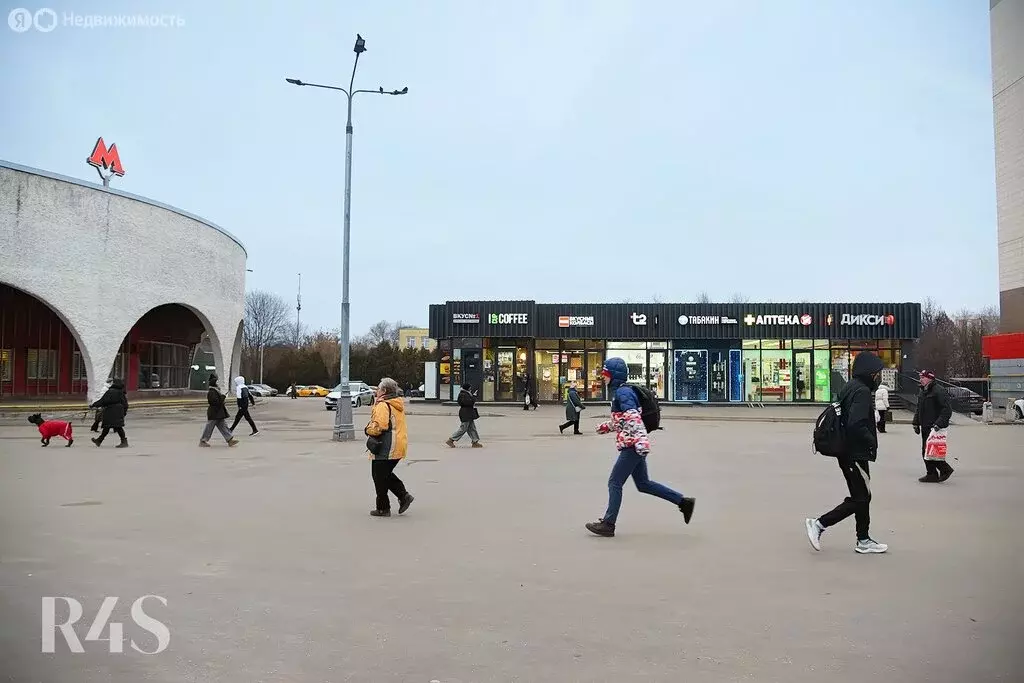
[{"x": 509, "y": 319}]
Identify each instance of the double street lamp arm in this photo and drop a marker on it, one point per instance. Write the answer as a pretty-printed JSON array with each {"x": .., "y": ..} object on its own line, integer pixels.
[{"x": 344, "y": 429}]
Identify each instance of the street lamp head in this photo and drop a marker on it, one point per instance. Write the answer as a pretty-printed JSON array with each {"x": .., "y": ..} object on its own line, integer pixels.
[
  {"x": 360, "y": 44},
  {"x": 294, "y": 81}
]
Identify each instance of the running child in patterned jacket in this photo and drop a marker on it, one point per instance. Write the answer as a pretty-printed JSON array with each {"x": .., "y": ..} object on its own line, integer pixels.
[
  {"x": 52, "y": 428},
  {"x": 633, "y": 445}
]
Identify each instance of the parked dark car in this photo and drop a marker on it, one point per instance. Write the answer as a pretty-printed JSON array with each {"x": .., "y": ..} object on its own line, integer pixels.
[{"x": 963, "y": 400}]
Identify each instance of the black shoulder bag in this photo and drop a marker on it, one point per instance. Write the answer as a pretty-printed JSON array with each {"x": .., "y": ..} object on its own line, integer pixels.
[{"x": 378, "y": 444}]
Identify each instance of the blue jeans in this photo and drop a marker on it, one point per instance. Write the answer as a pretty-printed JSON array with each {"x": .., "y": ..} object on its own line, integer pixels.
[{"x": 631, "y": 464}]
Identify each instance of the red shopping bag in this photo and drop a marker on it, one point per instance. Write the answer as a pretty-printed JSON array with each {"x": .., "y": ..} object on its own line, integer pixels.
[{"x": 935, "y": 446}]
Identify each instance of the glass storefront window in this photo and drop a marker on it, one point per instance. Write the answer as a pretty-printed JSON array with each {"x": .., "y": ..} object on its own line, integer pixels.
[
  {"x": 752, "y": 375},
  {"x": 821, "y": 343},
  {"x": 572, "y": 372},
  {"x": 822, "y": 376},
  {"x": 490, "y": 374},
  {"x": 736, "y": 375},
  {"x": 546, "y": 364},
  {"x": 657, "y": 373},
  {"x": 691, "y": 375},
  {"x": 802, "y": 344},
  {"x": 546, "y": 344},
  {"x": 595, "y": 385},
  {"x": 839, "y": 371},
  {"x": 718, "y": 375},
  {"x": 620, "y": 345},
  {"x": 657, "y": 345},
  {"x": 771, "y": 344},
  {"x": 803, "y": 375},
  {"x": 636, "y": 364},
  {"x": 506, "y": 384},
  {"x": 596, "y": 345},
  {"x": 776, "y": 376},
  {"x": 749, "y": 344}
]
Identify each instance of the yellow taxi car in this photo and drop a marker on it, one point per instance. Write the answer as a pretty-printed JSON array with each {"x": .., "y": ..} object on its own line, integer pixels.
[{"x": 313, "y": 390}]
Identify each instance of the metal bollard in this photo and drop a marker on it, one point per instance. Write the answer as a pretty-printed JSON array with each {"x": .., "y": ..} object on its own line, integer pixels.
[{"x": 986, "y": 412}]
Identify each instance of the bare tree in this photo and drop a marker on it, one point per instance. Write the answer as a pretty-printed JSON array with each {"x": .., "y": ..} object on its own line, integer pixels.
[
  {"x": 738, "y": 298},
  {"x": 380, "y": 332},
  {"x": 290, "y": 336},
  {"x": 326, "y": 343},
  {"x": 937, "y": 345},
  {"x": 266, "y": 320},
  {"x": 968, "y": 329},
  {"x": 703, "y": 297}
]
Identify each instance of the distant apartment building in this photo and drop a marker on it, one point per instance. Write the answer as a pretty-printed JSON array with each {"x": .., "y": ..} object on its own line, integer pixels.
[
  {"x": 1006, "y": 21},
  {"x": 415, "y": 338}
]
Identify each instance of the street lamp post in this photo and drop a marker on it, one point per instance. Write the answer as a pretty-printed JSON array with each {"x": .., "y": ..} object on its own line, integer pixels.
[{"x": 343, "y": 427}]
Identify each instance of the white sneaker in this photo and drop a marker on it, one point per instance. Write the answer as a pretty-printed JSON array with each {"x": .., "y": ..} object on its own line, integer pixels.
[
  {"x": 870, "y": 546},
  {"x": 814, "y": 532}
]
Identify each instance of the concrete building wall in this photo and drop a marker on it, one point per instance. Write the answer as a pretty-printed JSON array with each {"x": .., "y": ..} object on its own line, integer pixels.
[
  {"x": 1007, "y": 31},
  {"x": 101, "y": 259}
]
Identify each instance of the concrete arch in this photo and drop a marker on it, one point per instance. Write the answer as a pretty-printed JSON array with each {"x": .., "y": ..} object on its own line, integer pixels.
[
  {"x": 82, "y": 342},
  {"x": 236, "y": 353}
]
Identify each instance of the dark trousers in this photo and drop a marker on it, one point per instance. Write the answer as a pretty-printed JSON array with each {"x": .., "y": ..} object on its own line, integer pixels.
[
  {"x": 575, "y": 424},
  {"x": 243, "y": 412},
  {"x": 632, "y": 464},
  {"x": 858, "y": 481},
  {"x": 384, "y": 480},
  {"x": 881, "y": 422},
  {"x": 117, "y": 430},
  {"x": 96, "y": 421},
  {"x": 932, "y": 467}
]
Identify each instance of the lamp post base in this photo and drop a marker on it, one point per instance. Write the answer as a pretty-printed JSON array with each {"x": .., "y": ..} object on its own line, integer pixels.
[{"x": 344, "y": 430}]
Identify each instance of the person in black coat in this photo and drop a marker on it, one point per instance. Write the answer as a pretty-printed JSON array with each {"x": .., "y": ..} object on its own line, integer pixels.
[
  {"x": 114, "y": 404},
  {"x": 529, "y": 392},
  {"x": 216, "y": 416},
  {"x": 468, "y": 415},
  {"x": 933, "y": 412},
  {"x": 244, "y": 399},
  {"x": 573, "y": 410},
  {"x": 857, "y": 407}
]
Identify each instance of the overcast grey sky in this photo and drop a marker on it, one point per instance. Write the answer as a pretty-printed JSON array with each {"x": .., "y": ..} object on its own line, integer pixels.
[{"x": 594, "y": 150}]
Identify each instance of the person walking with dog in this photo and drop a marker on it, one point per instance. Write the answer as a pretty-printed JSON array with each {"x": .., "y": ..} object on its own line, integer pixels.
[
  {"x": 933, "y": 412},
  {"x": 114, "y": 404},
  {"x": 216, "y": 416},
  {"x": 468, "y": 415},
  {"x": 633, "y": 446}
]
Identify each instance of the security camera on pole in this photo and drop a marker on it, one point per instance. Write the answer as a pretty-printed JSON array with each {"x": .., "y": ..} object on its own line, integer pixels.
[{"x": 343, "y": 427}]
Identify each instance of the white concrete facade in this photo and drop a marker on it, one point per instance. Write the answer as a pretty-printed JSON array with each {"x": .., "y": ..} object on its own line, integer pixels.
[
  {"x": 101, "y": 259},
  {"x": 1007, "y": 31}
]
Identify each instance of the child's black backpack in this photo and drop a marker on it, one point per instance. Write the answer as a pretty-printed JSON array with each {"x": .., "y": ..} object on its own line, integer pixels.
[
  {"x": 829, "y": 437},
  {"x": 650, "y": 411}
]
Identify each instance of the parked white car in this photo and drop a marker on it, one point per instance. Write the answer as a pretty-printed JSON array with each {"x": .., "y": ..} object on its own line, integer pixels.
[{"x": 362, "y": 395}]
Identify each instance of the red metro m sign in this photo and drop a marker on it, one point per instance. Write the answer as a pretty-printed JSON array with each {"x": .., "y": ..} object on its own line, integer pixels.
[{"x": 104, "y": 157}]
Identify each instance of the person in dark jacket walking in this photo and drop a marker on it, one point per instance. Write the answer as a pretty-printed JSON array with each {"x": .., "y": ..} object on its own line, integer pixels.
[
  {"x": 933, "y": 412},
  {"x": 244, "y": 399},
  {"x": 573, "y": 409},
  {"x": 529, "y": 392},
  {"x": 633, "y": 446},
  {"x": 857, "y": 408},
  {"x": 468, "y": 415},
  {"x": 216, "y": 416},
  {"x": 114, "y": 403}
]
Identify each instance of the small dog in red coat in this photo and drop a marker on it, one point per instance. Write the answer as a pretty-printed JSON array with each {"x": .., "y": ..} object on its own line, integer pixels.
[{"x": 52, "y": 428}]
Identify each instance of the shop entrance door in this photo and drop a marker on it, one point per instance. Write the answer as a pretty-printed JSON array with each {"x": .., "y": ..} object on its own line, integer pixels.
[
  {"x": 506, "y": 384},
  {"x": 803, "y": 375},
  {"x": 657, "y": 373}
]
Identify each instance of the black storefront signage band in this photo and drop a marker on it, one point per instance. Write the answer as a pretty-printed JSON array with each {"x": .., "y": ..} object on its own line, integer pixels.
[{"x": 526, "y": 319}]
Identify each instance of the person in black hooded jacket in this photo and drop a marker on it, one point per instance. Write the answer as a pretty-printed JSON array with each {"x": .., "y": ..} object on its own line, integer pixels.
[
  {"x": 114, "y": 405},
  {"x": 857, "y": 408}
]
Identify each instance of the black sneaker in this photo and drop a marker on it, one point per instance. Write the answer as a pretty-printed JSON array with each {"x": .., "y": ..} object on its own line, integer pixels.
[
  {"x": 945, "y": 474},
  {"x": 96, "y": 441},
  {"x": 405, "y": 503},
  {"x": 601, "y": 528},
  {"x": 930, "y": 478},
  {"x": 380, "y": 513},
  {"x": 686, "y": 507}
]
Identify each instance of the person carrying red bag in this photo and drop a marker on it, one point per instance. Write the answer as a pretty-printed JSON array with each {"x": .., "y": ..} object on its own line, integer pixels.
[{"x": 933, "y": 412}]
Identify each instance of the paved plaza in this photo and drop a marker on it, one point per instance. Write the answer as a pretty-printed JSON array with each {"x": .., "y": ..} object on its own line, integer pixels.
[{"x": 274, "y": 572}]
